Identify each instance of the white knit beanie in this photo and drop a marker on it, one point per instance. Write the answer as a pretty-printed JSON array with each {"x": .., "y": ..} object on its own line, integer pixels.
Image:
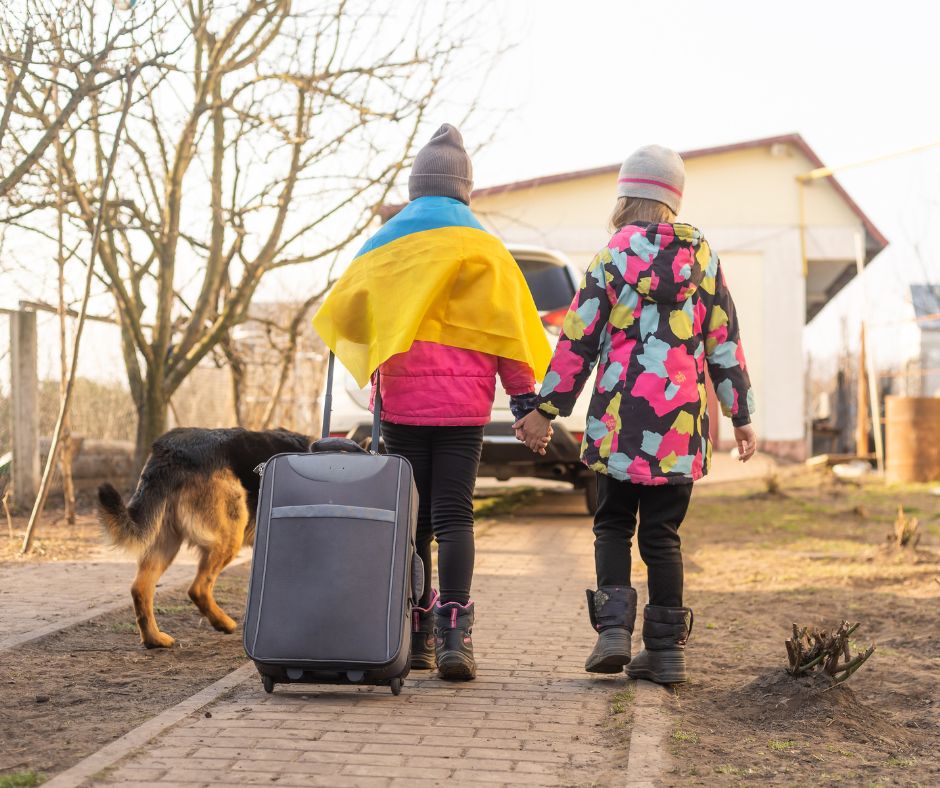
[{"x": 654, "y": 173}]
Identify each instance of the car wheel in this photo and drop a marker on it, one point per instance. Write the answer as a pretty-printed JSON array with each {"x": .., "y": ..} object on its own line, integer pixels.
[{"x": 590, "y": 495}]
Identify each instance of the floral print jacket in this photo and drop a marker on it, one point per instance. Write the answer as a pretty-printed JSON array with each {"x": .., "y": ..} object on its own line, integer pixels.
[{"x": 652, "y": 310}]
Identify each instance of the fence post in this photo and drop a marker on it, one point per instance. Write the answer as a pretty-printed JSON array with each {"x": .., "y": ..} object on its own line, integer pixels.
[{"x": 24, "y": 381}]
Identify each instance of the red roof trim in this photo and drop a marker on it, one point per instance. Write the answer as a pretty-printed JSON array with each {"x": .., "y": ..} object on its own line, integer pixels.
[{"x": 387, "y": 211}]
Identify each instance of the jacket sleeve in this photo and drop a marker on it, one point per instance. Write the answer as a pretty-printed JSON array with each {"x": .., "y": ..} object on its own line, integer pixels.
[
  {"x": 724, "y": 353},
  {"x": 579, "y": 344},
  {"x": 516, "y": 377}
]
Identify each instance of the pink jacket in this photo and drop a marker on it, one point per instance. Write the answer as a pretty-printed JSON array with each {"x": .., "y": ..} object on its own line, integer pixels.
[{"x": 436, "y": 385}]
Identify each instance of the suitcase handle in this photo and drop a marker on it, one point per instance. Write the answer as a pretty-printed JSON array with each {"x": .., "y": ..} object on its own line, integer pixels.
[
  {"x": 328, "y": 410},
  {"x": 336, "y": 444}
]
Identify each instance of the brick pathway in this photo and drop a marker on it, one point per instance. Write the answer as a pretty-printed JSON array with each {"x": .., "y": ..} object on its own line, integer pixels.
[
  {"x": 533, "y": 717},
  {"x": 36, "y": 599}
]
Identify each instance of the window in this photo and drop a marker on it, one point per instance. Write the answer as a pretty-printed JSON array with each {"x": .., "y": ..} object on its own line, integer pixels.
[{"x": 550, "y": 284}]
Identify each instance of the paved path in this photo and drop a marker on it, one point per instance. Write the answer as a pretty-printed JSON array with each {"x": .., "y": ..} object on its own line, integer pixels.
[
  {"x": 533, "y": 717},
  {"x": 36, "y": 599},
  {"x": 725, "y": 468}
]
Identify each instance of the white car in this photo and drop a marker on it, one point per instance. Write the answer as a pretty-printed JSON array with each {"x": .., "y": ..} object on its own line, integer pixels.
[{"x": 553, "y": 282}]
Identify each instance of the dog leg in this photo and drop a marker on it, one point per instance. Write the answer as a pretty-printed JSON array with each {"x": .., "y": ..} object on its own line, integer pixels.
[
  {"x": 231, "y": 518},
  {"x": 150, "y": 568},
  {"x": 211, "y": 564}
]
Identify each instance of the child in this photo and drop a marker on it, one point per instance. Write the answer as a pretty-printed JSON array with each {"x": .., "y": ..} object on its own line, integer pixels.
[
  {"x": 652, "y": 311},
  {"x": 440, "y": 307}
]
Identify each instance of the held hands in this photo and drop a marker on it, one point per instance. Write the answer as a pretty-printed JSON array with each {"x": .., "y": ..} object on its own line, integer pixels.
[
  {"x": 746, "y": 439},
  {"x": 535, "y": 431}
]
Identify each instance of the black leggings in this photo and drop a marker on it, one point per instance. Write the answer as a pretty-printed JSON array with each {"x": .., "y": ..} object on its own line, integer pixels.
[
  {"x": 445, "y": 462},
  {"x": 661, "y": 509}
]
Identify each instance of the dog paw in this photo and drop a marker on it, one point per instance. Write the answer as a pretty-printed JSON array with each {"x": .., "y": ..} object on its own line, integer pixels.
[
  {"x": 226, "y": 625},
  {"x": 159, "y": 640}
]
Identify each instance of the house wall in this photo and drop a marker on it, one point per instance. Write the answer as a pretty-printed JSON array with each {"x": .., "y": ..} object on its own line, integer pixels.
[
  {"x": 930, "y": 362},
  {"x": 747, "y": 202}
]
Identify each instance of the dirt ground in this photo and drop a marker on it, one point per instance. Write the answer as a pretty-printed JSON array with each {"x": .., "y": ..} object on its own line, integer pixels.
[
  {"x": 55, "y": 539},
  {"x": 813, "y": 554},
  {"x": 756, "y": 562},
  {"x": 65, "y": 696}
]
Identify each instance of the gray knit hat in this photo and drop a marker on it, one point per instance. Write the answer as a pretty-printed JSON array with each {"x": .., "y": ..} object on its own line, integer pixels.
[
  {"x": 442, "y": 168},
  {"x": 654, "y": 173}
]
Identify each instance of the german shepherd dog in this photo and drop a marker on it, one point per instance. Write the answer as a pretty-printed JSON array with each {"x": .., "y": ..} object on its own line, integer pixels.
[{"x": 198, "y": 486}]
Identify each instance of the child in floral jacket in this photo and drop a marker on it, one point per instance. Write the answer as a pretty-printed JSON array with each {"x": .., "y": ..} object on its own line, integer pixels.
[{"x": 652, "y": 311}]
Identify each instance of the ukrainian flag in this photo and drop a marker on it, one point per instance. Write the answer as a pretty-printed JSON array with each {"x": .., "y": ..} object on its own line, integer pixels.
[{"x": 432, "y": 273}]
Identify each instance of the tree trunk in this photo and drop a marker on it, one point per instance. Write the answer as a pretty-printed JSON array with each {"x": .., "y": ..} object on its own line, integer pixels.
[
  {"x": 67, "y": 453},
  {"x": 151, "y": 423},
  {"x": 238, "y": 374}
]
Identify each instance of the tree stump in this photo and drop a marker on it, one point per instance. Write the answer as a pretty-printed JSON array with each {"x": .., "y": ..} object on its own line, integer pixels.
[{"x": 812, "y": 649}]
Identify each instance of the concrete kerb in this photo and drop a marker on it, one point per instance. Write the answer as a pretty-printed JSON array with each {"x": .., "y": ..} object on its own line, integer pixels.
[
  {"x": 110, "y": 754},
  {"x": 647, "y": 758}
]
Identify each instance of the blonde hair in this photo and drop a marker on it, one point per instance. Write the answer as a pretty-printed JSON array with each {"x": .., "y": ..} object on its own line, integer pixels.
[{"x": 639, "y": 210}]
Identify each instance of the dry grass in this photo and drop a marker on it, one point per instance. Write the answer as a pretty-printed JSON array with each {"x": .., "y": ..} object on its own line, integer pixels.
[
  {"x": 906, "y": 534},
  {"x": 813, "y": 552}
]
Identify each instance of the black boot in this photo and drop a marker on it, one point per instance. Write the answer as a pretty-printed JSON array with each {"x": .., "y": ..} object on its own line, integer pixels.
[
  {"x": 453, "y": 624},
  {"x": 665, "y": 632},
  {"x": 422, "y": 635},
  {"x": 612, "y": 610}
]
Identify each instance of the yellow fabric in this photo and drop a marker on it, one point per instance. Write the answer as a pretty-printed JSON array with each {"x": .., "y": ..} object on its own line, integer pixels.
[{"x": 457, "y": 286}]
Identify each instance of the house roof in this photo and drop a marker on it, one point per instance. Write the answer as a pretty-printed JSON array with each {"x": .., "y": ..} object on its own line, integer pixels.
[{"x": 876, "y": 238}]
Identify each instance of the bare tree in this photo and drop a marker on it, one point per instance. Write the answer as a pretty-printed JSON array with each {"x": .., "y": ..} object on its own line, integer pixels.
[
  {"x": 265, "y": 143},
  {"x": 266, "y": 364},
  {"x": 67, "y": 452},
  {"x": 52, "y": 60}
]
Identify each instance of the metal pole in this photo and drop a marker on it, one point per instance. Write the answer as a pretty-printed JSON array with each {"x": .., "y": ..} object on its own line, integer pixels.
[
  {"x": 801, "y": 196},
  {"x": 328, "y": 396},
  {"x": 867, "y": 358},
  {"x": 825, "y": 172},
  {"x": 862, "y": 425}
]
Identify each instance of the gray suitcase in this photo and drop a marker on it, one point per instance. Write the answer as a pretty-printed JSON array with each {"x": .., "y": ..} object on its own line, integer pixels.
[{"x": 334, "y": 570}]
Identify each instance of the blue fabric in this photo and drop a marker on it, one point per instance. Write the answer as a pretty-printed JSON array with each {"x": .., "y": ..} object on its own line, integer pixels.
[
  {"x": 425, "y": 213},
  {"x": 522, "y": 405}
]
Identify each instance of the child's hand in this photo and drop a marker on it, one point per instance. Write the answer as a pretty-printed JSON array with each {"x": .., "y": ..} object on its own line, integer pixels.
[
  {"x": 746, "y": 439},
  {"x": 535, "y": 431},
  {"x": 540, "y": 446},
  {"x": 543, "y": 444}
]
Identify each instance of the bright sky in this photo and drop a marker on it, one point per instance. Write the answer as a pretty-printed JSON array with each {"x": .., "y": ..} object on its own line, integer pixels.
[
  {"x": 587, "y": 83},
  {"x": 584, "y": 88}
]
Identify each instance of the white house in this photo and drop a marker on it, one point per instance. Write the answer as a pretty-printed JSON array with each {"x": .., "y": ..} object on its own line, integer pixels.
[
  {"x": 759, "y": 217},
  {"x": 917, "y": 333}
]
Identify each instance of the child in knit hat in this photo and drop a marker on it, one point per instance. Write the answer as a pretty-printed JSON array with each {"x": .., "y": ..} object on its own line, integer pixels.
[
  {"x": 652, "y": 312},
  {"x": 439, "y": 305}
]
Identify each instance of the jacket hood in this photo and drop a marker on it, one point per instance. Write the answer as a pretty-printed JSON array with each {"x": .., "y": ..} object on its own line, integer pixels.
[{"x": 663, "y": 262}]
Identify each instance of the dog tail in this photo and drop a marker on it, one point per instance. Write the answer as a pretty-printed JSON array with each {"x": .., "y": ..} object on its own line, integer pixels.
[{"x": 134, "y": 530}]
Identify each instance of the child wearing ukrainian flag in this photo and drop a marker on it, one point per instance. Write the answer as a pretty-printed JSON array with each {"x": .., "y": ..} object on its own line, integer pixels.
[
  {"x": 652, "y": 313},
  {"x": 439, "y": 306}
]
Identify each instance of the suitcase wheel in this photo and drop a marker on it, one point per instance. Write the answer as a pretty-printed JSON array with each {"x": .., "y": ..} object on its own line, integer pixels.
[
  {"x": 268, "y": 683},
  {"x": 396, "y": 684}
]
